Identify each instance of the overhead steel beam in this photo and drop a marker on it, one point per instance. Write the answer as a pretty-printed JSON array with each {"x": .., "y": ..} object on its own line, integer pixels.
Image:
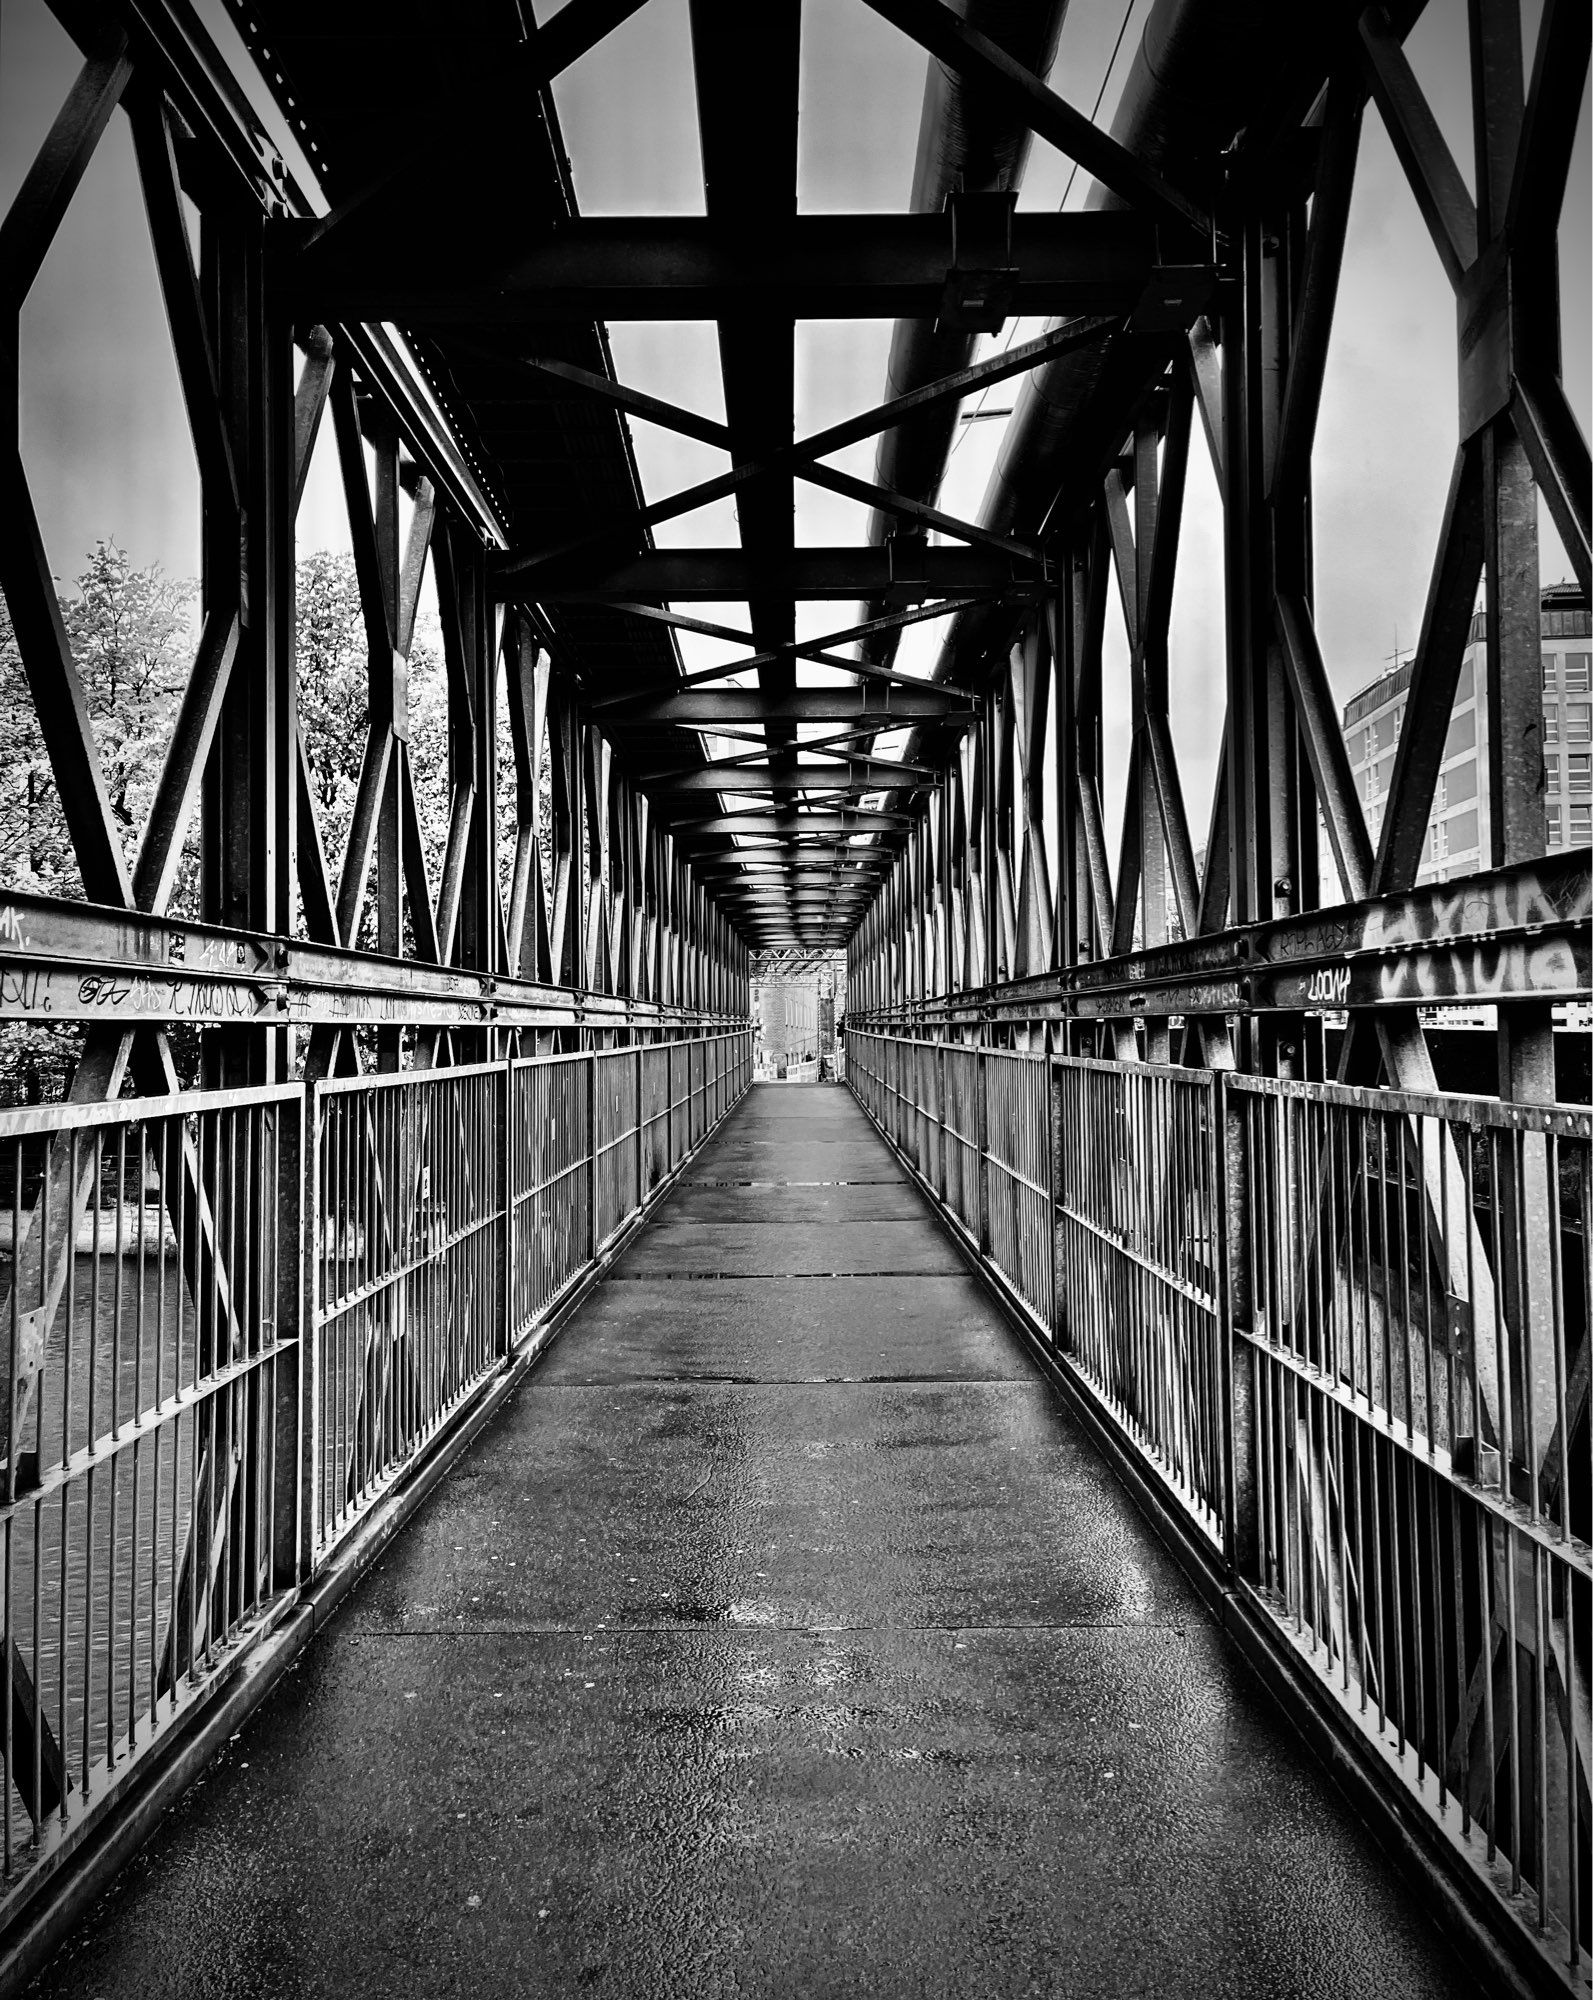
[
  {"x": 842, "y": 749},
  {"x": 694, "y": 267},
  {"x": 801, "y": 459},
  {"x": 748, "y": 140},
  {"x": 798, "y": 649},
  {"x": 807, "y": 875},
  {"x": 826, "y": 861},
  {"x": 951, "y": 40},
  {"x": 871, "y": 705},
  {"x": 761, "y": 825},
  {"x": 803, "y": 774},
  {"x": 711, "y": 574},
  {"x": 837, "y": 874},
  {"x": 809, "y": 902},
  {"x": 784, "y": 457}
]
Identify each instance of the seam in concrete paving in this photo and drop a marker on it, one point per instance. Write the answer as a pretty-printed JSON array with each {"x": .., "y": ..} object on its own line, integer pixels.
[
  {"x": 729, "y": 1277},
  {"x": 729, "y": 1628},
  {"x": 795, "y": 1184},
  {"x": 1025, "y": 1381}
]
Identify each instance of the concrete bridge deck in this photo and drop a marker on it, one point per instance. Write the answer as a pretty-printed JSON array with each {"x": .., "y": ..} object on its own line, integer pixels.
[{"x": 782, "y": 1636}]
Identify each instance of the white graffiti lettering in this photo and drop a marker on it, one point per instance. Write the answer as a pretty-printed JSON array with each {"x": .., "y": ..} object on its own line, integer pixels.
[
  {"x": 1483, "y": 972},
  {"x": 1329, "y": 987},
  {"x": 1518, "y": 904}
]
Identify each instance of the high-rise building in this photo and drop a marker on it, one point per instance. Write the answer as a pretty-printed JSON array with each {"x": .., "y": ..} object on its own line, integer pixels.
[{"x": 1457, "y": 840}]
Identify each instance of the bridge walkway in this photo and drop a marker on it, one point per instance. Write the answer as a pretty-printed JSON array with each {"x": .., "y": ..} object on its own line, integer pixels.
[{"x": 782, "y": 1636}]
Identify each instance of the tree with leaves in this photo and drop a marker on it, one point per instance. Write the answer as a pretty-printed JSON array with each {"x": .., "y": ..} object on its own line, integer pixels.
[
  {"x": 131, "y": 634},
  {"x": 333, "y": 671}
]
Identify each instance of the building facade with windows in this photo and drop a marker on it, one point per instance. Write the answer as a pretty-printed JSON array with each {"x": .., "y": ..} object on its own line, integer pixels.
[{"x": 1458, "y": 832}]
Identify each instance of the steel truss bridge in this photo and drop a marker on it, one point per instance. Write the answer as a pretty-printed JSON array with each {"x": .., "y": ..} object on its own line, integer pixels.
[{"x": 1330, "y": 1319}]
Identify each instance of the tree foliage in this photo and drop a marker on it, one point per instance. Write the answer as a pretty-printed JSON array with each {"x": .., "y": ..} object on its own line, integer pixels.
[
  {"x": 334, "y": 716},
  {"x": 132, "y": 632},
  {"x": 131, "y": 635}
]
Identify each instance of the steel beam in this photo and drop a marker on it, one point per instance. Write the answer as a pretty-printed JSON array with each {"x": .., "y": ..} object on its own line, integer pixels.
[
  {"x": 1519, "y": 931},
  {"x": 870, "y": 706},
  {"x": 775, "y": 820},
  {"x": 802, "y": 774},
  {"x": 697, "y": 267},
  {"x": 710, "y": 574},
  {"x": 64, "y": 961},
  {"x": 998, "y": 76}
]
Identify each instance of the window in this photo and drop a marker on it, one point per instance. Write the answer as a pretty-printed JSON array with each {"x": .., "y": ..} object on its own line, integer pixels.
[
  {"x": 1460, "y": 783},
  {"x": 1578, "y": 722},
  {"x": 1440, "y": 796},
  {"x": 1579, "y": 774},
  {"x": 1383, "y": 771},
  {"x": 1461, "y": 832},
  {"x": 1549, "y": 660},
  {"x": 1551, "y": 725},
  {"x": 1462, "y": 734},
  {"x": 1581, "y": 825},
  {"x": 1556, "y": 837},
  {"x": 1576, "y": 672},
  {"x": 1466, "y": 686}
]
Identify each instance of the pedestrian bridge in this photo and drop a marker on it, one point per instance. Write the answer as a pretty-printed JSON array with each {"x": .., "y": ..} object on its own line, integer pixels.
[
  {"x": 1100, "y": 1499},
  {"x": 782, "y": 1631}
]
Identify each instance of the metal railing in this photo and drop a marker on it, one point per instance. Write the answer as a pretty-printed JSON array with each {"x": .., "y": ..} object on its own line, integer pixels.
[
  {"x": 1414, "y": 1354},
  {"x": 234, "y": 1320},
  {"x": 1346, "y": 1334},
  {"x": 973, "y": 1123},
  {"x": 1137, "y": 1266},
  {"x": 410, "y": 1216},
  {"x": 141, "y": 1272}
]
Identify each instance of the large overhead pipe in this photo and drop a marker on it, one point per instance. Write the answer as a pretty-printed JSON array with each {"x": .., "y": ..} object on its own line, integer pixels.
[
  {"x": 965, "y": 144},
  {"x": 1202, "y": 70},
  {"x": 1203, "y": 67}
]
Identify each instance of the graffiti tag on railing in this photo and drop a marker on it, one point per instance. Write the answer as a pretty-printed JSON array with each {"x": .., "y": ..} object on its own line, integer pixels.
[
  {"x": 1520, "y": 901},
  {"x": 1483, "y": 972}
]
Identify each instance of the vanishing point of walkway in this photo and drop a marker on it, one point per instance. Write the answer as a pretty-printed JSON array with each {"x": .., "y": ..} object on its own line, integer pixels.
[{"x": 782, "y": 1636}]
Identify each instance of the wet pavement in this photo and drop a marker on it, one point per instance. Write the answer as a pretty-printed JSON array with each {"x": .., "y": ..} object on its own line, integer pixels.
[{"x": 782, "y": 1636}]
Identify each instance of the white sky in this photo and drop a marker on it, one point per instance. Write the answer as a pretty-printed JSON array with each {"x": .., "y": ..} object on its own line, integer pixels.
[{"x": 105, "y": 438}]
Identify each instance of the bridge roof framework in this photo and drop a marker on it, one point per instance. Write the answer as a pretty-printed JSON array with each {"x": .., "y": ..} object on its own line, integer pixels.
[{"x": 436, "y": 308}]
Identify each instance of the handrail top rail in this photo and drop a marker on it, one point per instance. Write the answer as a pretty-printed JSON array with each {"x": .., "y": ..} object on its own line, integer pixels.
[{"x": 26, "y": 1121}]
